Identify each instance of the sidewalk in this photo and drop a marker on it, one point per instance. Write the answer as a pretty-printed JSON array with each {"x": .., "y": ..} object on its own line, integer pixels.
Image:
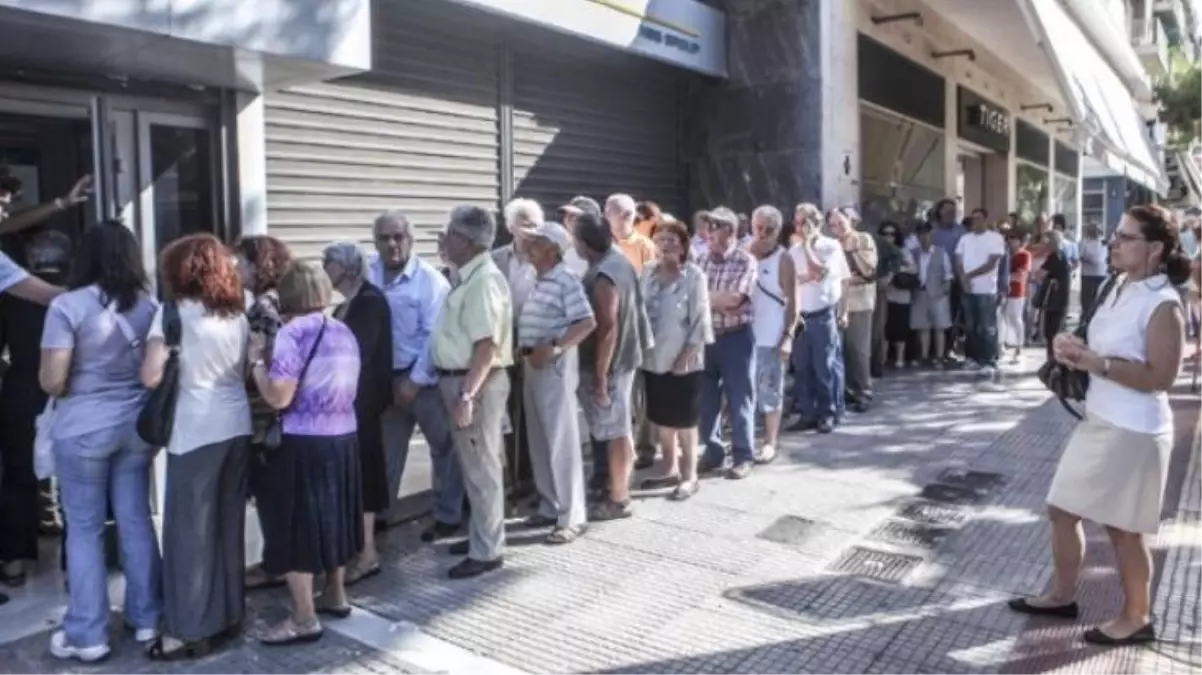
[{"x": 827, "y": 560}]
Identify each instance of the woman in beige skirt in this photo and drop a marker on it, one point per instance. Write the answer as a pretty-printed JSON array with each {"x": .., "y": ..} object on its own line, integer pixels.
[{"x": 1114, "y": 469}]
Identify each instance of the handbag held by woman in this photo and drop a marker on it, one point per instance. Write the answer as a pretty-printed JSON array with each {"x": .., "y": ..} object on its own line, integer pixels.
[
  {"x": 157, "y": 417},
  {"x": 1066, "y": 382}
]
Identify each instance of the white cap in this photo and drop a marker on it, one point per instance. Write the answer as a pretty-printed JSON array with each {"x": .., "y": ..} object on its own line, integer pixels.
[{"x": 553, "y": 232}]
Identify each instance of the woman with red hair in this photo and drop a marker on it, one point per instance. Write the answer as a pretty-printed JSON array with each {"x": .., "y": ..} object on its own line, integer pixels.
[{"x": 204, "y": 515}]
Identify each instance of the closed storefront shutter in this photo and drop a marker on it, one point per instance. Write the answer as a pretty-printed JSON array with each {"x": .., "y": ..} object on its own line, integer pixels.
[
  {"x": 594, "y": 121},
  {"x": 419, "y": 133}
]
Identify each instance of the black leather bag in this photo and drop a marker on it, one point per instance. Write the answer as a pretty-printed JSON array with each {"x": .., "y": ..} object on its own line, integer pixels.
[
  {"x": 274, "y": 436},
  {"x": 157, "y": 417},
  {"x": 1067, "y": 383},
  {"x": 906, "y": 281}
]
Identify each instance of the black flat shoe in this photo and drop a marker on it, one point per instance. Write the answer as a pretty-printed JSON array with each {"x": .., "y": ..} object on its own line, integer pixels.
[
  {"x": 473, "y": 568},
  {"x": 188, "y": 650},
  {"x": 644, "y": 462},
  {"x": 803, "y": 425},
  {"x": 439, "y": 531},
  {"x": 1095, "y": 636},
  {"x": 660, "y": 483},
  {"x": 1069, "y": 611}
]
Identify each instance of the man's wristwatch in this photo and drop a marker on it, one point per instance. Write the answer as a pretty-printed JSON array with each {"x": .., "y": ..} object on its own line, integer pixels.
[
  {"x": 1105, "y": 368},
  {"x": 465, "y": 397}
]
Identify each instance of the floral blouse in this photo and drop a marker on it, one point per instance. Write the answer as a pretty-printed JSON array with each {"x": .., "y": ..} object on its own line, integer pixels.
[{"x": 679, "y": 312}]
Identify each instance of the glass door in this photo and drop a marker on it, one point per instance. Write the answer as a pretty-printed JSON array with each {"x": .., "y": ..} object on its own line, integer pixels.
[{"x": 177, "y": 175}]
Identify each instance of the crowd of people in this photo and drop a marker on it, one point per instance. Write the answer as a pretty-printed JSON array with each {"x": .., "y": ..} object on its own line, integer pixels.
[{"x": 662, "y": 332}]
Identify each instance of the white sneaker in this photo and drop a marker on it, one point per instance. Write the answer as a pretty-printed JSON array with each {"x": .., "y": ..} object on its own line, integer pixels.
[
  {"x": 61, "y": 650},
  {"x": 144, "y": 635},
  {"x": 988, "y": 371}
]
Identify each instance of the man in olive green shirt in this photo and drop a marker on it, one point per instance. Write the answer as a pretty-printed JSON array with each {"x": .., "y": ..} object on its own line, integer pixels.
[{"x": 471, "y": 346}]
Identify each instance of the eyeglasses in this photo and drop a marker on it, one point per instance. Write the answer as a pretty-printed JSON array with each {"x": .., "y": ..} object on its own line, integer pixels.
[{"x": 1123, "y": 236}]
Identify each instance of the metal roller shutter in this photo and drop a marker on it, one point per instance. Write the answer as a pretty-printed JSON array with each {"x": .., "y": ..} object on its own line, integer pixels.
[
  {"x": 418, "y": 133},
  {"x": 592, "y": 120}
]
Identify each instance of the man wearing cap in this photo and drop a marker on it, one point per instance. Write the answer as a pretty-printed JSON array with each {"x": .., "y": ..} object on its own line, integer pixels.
[
  {"x": 570, "y": 212},
  {"x": 554, "y": 320}
]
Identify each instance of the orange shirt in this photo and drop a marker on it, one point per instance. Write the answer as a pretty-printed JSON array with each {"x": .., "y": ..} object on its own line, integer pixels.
[{"x": 638, "y": 249}]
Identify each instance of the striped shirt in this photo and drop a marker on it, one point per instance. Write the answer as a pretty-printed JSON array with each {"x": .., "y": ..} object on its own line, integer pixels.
[
  {"x": 733, "y": 272},
  {"x": 556, "y": 301}
]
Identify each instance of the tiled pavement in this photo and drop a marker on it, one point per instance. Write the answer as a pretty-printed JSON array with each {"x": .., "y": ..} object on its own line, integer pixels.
[{"x": 741, "y": 578}]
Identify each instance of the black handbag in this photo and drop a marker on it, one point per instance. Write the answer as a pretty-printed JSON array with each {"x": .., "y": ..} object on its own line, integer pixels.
[
  {"x": 274, "y": 436},
  {"x": 1066, "y": 382},
  {"x": 157, "y": 417},
  {"x": 906, "y": 281}
]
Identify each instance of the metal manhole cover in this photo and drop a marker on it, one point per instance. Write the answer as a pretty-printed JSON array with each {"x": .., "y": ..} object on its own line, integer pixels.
[
  {"x": 903, "y": 533},
  {"x": 932, "y": 513},
  {"x": 981, "y": 481},
  {"x": 878, "y": 565},
  {"x": 950, "y": 494},
  {"x": 789, "y": 530}
]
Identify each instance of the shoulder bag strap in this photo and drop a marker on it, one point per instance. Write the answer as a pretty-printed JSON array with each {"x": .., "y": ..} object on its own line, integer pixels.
[
  {"x": 300, "y": 380},
  {"x": 1083, "y": 328},
  {"x": 135, "y": 343}
]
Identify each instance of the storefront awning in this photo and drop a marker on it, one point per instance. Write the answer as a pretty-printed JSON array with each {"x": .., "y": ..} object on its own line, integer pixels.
[{"x": 1114, "y": 130}]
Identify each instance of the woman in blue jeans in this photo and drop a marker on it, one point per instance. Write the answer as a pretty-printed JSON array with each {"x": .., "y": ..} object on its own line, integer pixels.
[{"x": 91, "y": 355}]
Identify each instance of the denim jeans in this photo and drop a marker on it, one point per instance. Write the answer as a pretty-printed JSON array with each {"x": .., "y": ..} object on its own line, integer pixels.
[
  {"x": 428, "y": 413},
  {"x": 818, "y": 368},
  {"x": 729, "y": 371},
  {"x": 981, "y": 315},
  {"x": 94, "y": 470}
]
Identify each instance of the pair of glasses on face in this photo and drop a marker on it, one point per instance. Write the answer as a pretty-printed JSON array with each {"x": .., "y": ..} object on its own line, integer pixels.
[{"x": 1120, "y": 236}]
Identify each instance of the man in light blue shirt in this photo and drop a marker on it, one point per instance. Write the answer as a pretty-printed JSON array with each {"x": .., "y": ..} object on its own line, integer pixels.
[
  {"x": 416, "y": 291},
  {"x": 1068, "y": 247}
]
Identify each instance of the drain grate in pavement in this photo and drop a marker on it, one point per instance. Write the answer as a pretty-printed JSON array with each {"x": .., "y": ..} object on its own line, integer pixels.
[
  {"x": 981, "y": 481},
  {"x": 903, "y": 533},
  {"x": 789, "y": 530},
  {"x": 951, "y": 494},
  {"x": 932, "y": 513},
  {"x": 878, "y": 565}
]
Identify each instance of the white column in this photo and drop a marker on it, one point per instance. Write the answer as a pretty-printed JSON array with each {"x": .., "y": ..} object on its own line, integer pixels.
[
  {"x": 1050, "y": 206},
  {"x": 840, "y": 103},
  {"x": 252, "y": 163},
  {"x": 951, "y": 145}
]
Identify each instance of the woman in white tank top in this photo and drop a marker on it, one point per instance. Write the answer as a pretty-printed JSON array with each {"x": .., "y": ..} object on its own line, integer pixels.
[{"x": 1114, "y": 468}]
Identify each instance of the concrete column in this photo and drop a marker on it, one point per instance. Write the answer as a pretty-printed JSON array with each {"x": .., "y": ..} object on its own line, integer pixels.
[
  {"x": 1050, "y": 205},
  {"x": 252, "y": 163},
  {"x": 951, "y": 145},
  {"x": 840, "y": 103}
]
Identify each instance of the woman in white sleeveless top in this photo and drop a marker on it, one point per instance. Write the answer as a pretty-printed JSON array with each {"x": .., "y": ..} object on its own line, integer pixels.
[{"x": 1114, "y": 469}]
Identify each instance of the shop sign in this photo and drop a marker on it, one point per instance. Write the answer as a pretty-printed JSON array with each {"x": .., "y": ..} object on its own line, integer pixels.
[
  {"x": 684, "y": 33},
  {"x": 982, "y": 121}
]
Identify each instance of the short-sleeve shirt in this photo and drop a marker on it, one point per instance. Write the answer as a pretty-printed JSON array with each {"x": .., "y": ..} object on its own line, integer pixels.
[
  {"x": 732, "y": 272},
  {"x": 638, "y": 249},
  {"x": 213, "y": 405},
  {"x": 1019, "y": 262},
  {"x": 479, "y": 308},
  {"x": 680, "y": 317},
  {"x": 974, "y": 249},
  {"x": 104, "y": 389},
  {"x": 11, "y": 273},
  {"x": 820, "y": 294},
  {"x": 556, "y": 301},
  {"x": 324, "y": 404}
]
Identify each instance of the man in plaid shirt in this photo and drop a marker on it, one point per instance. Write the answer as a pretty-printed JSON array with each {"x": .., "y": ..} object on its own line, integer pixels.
[{"x": 730, "y": 359}]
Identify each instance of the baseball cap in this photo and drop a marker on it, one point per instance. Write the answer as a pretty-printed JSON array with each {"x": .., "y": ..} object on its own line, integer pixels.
[
  {"x": 579, "y": 205},
  {"x": 553, "y": 232}
]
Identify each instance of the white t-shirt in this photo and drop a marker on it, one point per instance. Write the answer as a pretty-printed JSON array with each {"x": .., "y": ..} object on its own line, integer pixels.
[
  {"x": 11, "y": 273},
  {"x": 974, "y": 249},
  {"x": 817, "y": 294},
  {"x": 1093, "y": 258},
  {"x": 212, "y": 405}
]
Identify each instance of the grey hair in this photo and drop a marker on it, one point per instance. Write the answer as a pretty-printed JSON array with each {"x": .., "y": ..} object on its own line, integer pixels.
[
  {"x": 523, "y": 211},
  {"x": 724, "y": 217},
  {"x": 771, "y": 215},
  {"x": 349, "y": 257},
  {"x": 1055, "y": 238},
  {"x": 474, "y": 223},
  {"x": 810, "y": 213},
  {"x": 624, "y": 203},
  {"x": 393, "y": 216}
]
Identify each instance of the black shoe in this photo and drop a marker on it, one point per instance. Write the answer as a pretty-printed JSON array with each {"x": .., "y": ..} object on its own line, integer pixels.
[
  {"x": 473, "y": 568},
  {"x": 803, "y": 425},
  {"x": 860, "y": 406},
  {"x": 826, "y": 426},
  {"x": 459, "y": 548},
  {"x": 1022, "y": 606},
  {"x": 3, "y": 598},
  {"x": 1144, "y": 635},
  {"x": 711, "y": 462},
  {"x": 438, "y": 531}
]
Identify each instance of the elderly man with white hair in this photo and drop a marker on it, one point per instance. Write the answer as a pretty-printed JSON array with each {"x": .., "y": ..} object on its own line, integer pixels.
[
  {"x": 471, "y": 347},
  {"x": 552, "y": 323},
  {"x": 365, "y": 311},
  {"x": 521, "y": 215},
  {"x": 415, "y": 291},
  {"x": 773, "y": 322}
]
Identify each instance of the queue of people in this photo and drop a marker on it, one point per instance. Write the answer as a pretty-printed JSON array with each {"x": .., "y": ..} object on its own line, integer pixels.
[{"x": 652, "y": 329}]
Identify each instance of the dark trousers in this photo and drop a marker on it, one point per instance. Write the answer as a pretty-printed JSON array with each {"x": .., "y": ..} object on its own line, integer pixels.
[
  {"x": 20, "y": 507},
  {"x": 959, "y": 322},
  {"x": 1053, "y": 323},
  {"x": 981, "y": 319},
  {"x": 818, "y": 377},
  {"x": 1089, "y": 292},
  {"x": 519, "y": 478}
]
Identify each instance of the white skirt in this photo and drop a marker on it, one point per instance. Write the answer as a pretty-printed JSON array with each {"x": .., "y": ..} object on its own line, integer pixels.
[{"x": 1113, "y": 476}]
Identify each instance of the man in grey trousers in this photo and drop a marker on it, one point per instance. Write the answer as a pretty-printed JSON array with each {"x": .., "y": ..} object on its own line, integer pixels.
[
  {"x": 471, "y": 347},
  {"x": 860, "y": 250}
]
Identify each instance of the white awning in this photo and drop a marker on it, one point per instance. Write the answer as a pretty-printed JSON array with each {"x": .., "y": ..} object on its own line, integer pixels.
[{"x": 1115, "y": 132}]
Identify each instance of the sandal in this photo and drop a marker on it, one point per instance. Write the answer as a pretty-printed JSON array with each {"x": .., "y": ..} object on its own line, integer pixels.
[
  {"x": 564, "y": 535},
  {"x": 257, "y": 579},
  {"x": 355, "y": 573},
  {"x": 660, "y": 483},
  {"x": 330, "y": 609},
  {"x": 187, "y": 650},
  {"x": 287, "y": 632},
  {"x": 610, "y": 510},
  {"x": 684, "y": 491}
]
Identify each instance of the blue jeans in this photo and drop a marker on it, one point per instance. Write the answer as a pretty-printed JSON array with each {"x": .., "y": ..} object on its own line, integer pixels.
[
  {"x": 981, "y": 316},
  {"x": 94, "y": 470},
  {"x": 427, "y": 412},
  {"x": 818, "y": 368},
  {"x": 729, "y": 370}
]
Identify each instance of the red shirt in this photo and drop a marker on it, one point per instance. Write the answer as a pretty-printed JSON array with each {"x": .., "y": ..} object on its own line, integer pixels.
[{"x": 1019, "y": 262}]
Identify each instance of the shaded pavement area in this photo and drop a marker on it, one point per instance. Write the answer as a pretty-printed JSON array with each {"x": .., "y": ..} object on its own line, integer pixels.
[{"x": 888, "y": 546}]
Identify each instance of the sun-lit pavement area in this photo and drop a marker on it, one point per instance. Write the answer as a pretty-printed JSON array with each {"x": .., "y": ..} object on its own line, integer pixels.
[{"x": 888, "y": 546}]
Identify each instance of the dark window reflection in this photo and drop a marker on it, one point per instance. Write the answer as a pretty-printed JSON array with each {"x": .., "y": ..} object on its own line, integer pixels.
[{"x": 181, "y": 163}]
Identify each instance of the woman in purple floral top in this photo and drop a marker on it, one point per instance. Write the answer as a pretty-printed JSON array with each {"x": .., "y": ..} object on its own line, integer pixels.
[{"x": 311, "y": 507}]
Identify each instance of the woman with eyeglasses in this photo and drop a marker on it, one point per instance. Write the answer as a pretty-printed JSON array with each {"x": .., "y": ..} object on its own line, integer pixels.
[{"x": 1115, "y": 466}]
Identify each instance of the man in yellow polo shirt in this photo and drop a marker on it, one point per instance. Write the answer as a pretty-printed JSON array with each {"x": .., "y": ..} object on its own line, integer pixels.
[{"x": 471, "y": 346}]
